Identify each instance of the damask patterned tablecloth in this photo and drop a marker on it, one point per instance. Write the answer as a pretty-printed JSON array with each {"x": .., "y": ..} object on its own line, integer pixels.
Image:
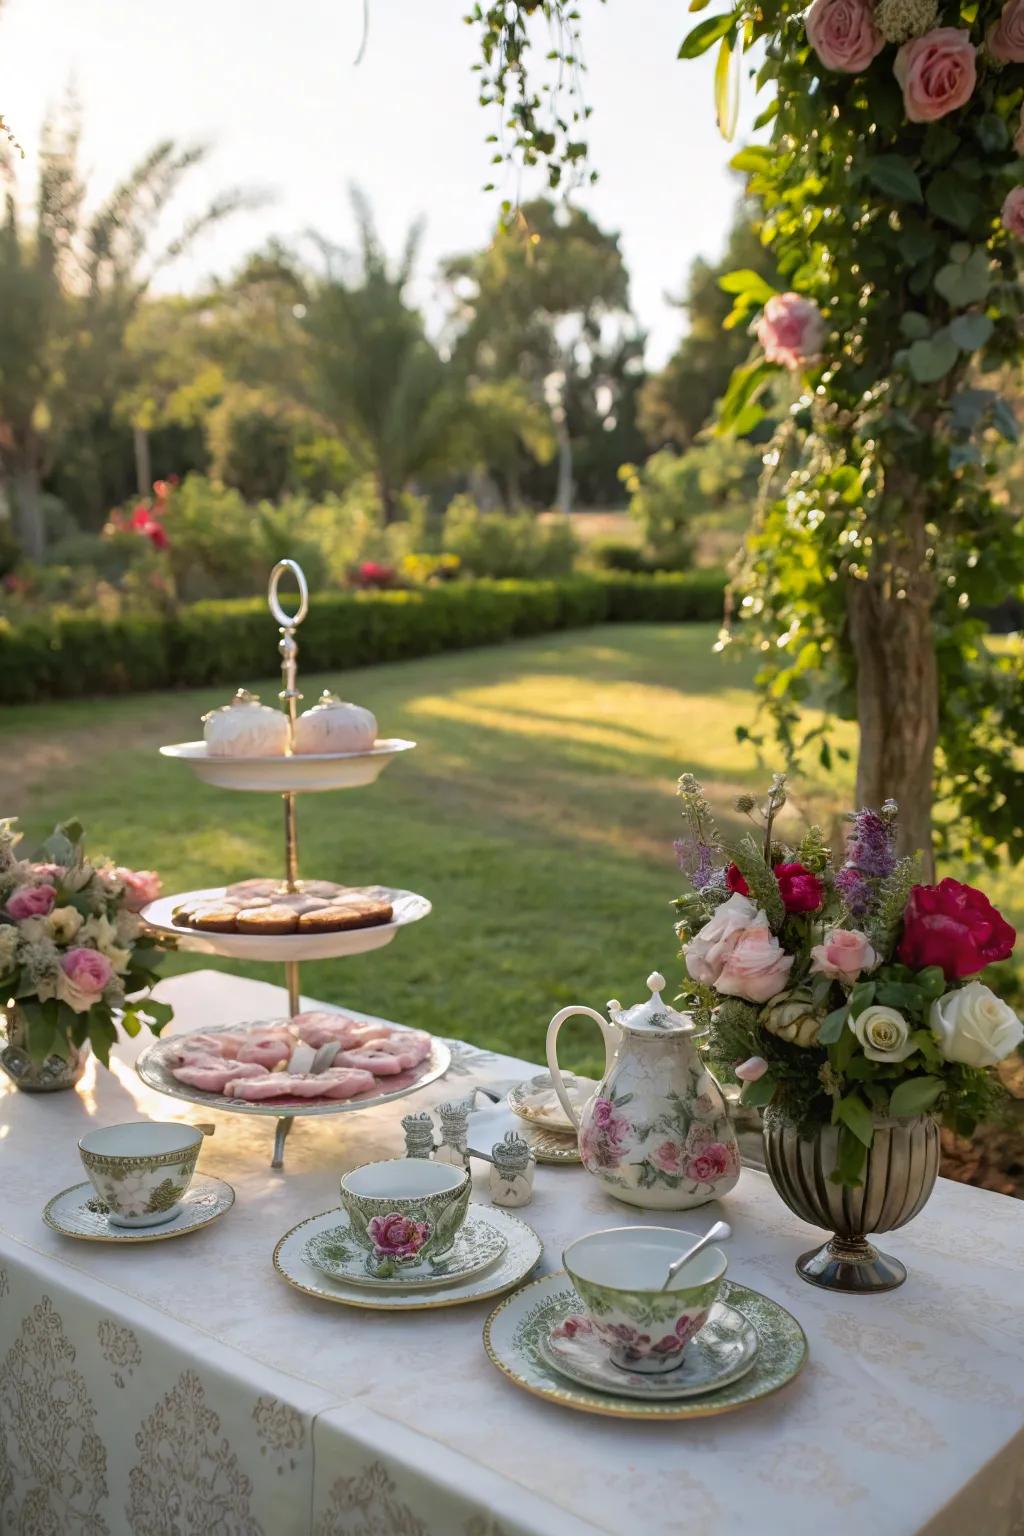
[{"x": 180, "y": 1388}]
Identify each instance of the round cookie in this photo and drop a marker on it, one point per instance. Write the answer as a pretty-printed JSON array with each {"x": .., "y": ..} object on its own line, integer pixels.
[
  {"x": 335, "y": 919},
  {"x": 214, "y": 917}
]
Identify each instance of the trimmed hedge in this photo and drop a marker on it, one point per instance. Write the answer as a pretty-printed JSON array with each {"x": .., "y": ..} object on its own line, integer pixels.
[{"x": 219, "y": 642}]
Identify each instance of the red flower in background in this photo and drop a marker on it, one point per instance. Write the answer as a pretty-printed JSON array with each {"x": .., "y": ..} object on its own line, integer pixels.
[
  {"x": 801, "y": 890},
  {"x": 955, "y": 927}
]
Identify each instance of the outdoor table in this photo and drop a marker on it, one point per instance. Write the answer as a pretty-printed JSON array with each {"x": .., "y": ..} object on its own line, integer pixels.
[{"x": 182, "y": 1387}]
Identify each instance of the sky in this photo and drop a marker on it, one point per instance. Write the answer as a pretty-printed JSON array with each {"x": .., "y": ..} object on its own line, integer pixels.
[{"x": 273, "y": 86}]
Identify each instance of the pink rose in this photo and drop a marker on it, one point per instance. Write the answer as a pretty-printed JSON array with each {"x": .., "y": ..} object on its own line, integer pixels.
[
  {"x": 843, "y": 956},
  {"x": 791, "y": 330},
  {"x": 937, "y": 73},
  {"x": 603, "y": 1112},
  {"x": 708, "y": 950},
  {"x": 709, "y": 1164},
  {"x": 53, "y": 874},
  {"x": 756, "y": 968},
  {"x": 82, "y": 977},
  {"x": 1012, "y": 216},
  {"x": 31, "y": 901},
  {"x": 396, "y": 1236},
  {"x": 668, "y": 1157},
  {"x": 141, "y": 886},
  {"x": 843, "y": 34},
  {"x": 1005, "y": 38},
  {"x": 751, "y": 1070}
]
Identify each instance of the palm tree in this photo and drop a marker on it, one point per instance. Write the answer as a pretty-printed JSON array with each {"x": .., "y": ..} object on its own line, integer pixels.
[
  {"x": 69, "y": 285},
  {"x": 377, "y": 377}
]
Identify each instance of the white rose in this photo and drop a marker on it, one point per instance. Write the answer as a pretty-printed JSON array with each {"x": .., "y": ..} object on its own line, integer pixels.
[
  {"x": 884, "y": 1034},
  {"x": 974, "y": 1026},
  {"x": 8, "y": 946},
  {"x": 63, "y": 923},
  {"x": 708, "y": 950}
]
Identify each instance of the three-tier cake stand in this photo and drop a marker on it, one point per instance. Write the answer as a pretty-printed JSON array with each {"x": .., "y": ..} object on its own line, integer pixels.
[{"x": 288, "y": 775}]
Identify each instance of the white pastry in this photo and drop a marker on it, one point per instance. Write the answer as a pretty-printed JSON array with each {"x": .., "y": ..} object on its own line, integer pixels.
[
  {"x": 334, "y": 726},
  {"x": 246, "y": 728}
]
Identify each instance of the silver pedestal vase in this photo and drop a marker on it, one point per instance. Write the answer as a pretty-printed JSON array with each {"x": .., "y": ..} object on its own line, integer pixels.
[
  {"x": 28, "y": 1074},
  {"x": 899, "y": 1175}
]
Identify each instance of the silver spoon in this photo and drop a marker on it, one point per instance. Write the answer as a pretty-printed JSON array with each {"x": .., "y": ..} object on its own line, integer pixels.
[{"x": 715, "y": 1234}]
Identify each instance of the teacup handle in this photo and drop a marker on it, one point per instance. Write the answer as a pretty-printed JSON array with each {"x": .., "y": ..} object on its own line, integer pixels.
[{"x": 552, "y": 1052}]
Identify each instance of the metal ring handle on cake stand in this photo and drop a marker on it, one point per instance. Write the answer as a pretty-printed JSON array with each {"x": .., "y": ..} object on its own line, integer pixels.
[{"x": 290, "y": 696}]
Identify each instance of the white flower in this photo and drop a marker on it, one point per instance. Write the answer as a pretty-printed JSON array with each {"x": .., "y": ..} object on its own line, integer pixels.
[
  {"x": 708, "y": 950},
  {"x": 63, "y": 923},
  {"x": 100, "y": 933},
  {"x": 128, "y": 926},
  {"x": 8, "y": 946},
  {"x": 884, "y": 1033},
  {"x": 974, "y": 1026},
  {"x": 77, "y": 876}
]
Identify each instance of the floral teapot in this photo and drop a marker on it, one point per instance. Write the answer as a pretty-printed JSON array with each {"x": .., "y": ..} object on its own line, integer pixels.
[{"x": 656, "y": 1133}]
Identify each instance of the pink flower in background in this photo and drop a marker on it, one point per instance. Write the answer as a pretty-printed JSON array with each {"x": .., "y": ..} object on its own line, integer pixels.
[
  {"x": 1005, "y": 39},
  {"x": 757, "y": 968},
  {"x": 83, "y": 975},
  {"x": 791, "y": 330},
  {"x": 141, "y": 886},
  {"x": 752, "y": 1070},
  {"x": 937, "y": 73},
  {"x": 668, "y": 1157},
  {"x": 31, "y": 901},
  {"x": 53, "y": 874},
  {"x": 843, "y": 956},
  {"x": 709, "y": 1164},
  {"x": 396, "y": 1236},
  {"x": 1013, "y": 209},
  {"x": 843, "y": 34}
]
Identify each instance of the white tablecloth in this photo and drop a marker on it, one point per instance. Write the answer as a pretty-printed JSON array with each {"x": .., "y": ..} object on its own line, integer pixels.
[{"x": 181, "y": 1388}]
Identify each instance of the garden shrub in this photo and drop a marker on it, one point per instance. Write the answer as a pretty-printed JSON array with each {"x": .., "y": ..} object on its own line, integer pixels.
[
  {"x": 664, "y": 495},
  {"x": 498, "y": 545},
  {"x": 227, "y": 641}
]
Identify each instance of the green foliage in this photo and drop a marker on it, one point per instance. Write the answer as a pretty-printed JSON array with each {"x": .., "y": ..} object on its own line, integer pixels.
[
  {"x": 493, "y": 544},
  {"x": 219, "y": 642},
  {"x": 663, "y": 496},
  {"x": 263, "y": 446},
  {"x": 611, "y": 554}
]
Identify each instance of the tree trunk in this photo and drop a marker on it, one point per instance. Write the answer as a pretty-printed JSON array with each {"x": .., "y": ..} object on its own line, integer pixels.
[
  {"x": 563, "y": 498},
  {"x": 27, "y": 495},
  {"x": 897, "y": 679},
  {"x": 388, "y": 501},
  {"x": 143, "y": 461}
]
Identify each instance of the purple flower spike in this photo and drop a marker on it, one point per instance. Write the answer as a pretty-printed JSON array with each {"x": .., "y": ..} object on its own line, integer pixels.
[
  {"x": 870, "y": 848},
  {"x": 854, "y": 890}
]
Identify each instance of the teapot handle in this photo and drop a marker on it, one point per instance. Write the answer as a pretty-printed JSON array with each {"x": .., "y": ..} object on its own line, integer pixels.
[{"x": 552, "y": 1053}]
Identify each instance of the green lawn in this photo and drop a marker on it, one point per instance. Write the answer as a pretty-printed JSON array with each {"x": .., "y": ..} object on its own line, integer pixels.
[{"x": 537, "y": 814}]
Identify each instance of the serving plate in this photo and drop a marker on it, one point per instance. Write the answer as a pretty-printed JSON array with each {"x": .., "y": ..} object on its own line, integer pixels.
[
  {"x": 301, "y": 771},
  {"x": 408, "y": 908},
  {"x": 153, "y": 1066}
]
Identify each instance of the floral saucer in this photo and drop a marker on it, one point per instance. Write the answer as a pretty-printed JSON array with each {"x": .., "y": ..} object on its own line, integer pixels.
[
  {"x": 77, "y": 1212},
  {"x": 724, "y": 1350},
  {"x": 535, "y": 1100},
  {"x": 478, "y": 1243},
  {"x": 518, "y": 1329},
  {"x": 523, "y": 1250}
]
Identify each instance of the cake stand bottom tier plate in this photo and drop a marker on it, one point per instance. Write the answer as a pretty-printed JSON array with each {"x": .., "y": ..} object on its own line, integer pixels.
[{"x": 517, "y": 1330}]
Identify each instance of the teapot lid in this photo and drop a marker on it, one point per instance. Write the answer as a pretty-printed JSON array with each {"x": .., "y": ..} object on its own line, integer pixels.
[{"x": 655, "y": 1016}]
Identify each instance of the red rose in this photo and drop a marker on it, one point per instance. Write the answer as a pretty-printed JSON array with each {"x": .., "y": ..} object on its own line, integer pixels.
[
  {"x": 955, "y": 927},
  {"x": 801, "y": 890},
  {"x": 735, "y": 881}
]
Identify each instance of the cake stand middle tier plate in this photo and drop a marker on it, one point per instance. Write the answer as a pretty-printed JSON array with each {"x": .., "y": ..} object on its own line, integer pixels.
[
  {"x": 407, "y": 906},
  {"x": 289, "y": 772}
]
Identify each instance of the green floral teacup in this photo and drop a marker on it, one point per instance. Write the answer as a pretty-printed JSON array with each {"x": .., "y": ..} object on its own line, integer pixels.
[
  {"x": 141, "y": 1170},
  {"x": 619, "y": 1274},
  {"x": 405, "y": 1211}
]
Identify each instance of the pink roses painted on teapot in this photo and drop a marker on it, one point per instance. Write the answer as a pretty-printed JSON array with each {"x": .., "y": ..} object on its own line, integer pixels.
[{"x": 657, "y": 1132}]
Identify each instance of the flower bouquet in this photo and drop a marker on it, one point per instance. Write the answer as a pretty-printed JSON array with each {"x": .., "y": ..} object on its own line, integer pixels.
[
  {"x": 71, "y": 949},
  {"x": 844, "y": 997}
]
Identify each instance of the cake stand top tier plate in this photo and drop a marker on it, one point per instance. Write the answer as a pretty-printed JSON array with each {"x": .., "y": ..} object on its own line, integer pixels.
[
  {"x": 283, "y": 947},
  {"x": 293, "y": 773}
]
